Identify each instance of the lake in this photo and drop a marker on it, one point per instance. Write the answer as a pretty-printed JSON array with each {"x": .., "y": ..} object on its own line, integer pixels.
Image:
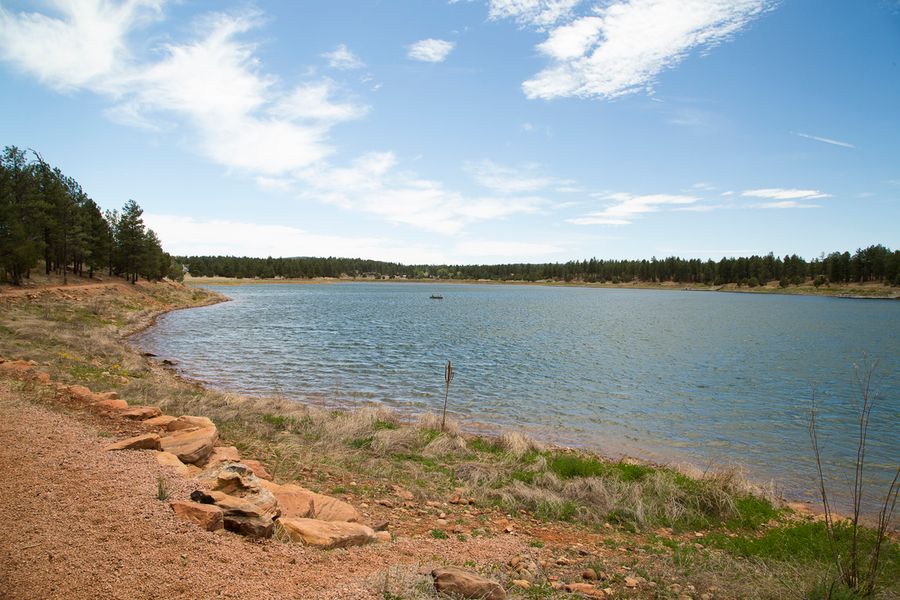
[{"x": 672, "y": 376}]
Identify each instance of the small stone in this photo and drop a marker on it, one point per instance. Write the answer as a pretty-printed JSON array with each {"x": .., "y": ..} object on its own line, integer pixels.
[
  {"x": 589, "y": 574},
  {"x": 585, "y": 589},
  {"x": 521, "y": 584},
  {"x": 383, "y": 536},
  {"x": 632, "y": 582},
  {"x": 442, "y": 522}
]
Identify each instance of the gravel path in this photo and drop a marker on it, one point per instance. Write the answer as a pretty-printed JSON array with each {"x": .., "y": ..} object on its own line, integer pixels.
[{"x": 78, "y": 522}]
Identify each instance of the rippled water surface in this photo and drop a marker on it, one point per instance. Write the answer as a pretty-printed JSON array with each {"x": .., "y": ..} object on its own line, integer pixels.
[{"x": 668, "y": 375}]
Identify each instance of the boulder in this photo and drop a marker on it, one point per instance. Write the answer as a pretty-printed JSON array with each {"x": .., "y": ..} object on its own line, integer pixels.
[
  {"x": 140, "y": 413},
  {"x": 258, "y": 469},
  {"x": 221, "y": 455},
  {"x": 294, "y": 501},
  {"x": 160, "y": 421},
  {"x": 148, "y": 441},
  {"x": 300, "y": 502},
  {"x": 327, "y": 534},
  {"x": 79, "y": 392},
  {"x": 205, "y": 516},
  {"x": 16, "y": 369},
  {"x": 250, "y": 516},
  {"x": 249, "y": 508},
  {"x": 191, "y": 446},
  {"x": 188, "y": 422},
  {"x": 112, "y": 405},
  {"x": 43, "y": 378},
  {"x": 466, "y": 584},
  {"x": 107, "y": 395},
  {"x": 167, "y": 459}
]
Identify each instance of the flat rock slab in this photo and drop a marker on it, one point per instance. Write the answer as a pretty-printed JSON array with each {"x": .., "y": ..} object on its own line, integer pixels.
[
  {"x": 585, "y": 589},
  {"x": 221, "y": 455},
  {"x": 466, "y": 584},
  {"x": 258, "y": 469},
  {"x": 205, "y": 516},
  {"x": 141, "y": 413},
  {"x": 160, "y": 421},
  {"x": 299, "y": 502},
  {"x": 188, "y": 422},
  {"x": 191, "y": 446},
  {"x": 112, "y": 405},
  {"x": 147, "y": 441},
  {"x": 327, "y": 534},
  {"x": 167, "y": 459}
]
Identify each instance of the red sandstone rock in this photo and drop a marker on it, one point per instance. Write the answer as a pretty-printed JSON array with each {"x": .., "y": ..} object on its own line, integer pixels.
[
  {"x": 205, "y": 516},
  {"x": 148, "y": 441}
]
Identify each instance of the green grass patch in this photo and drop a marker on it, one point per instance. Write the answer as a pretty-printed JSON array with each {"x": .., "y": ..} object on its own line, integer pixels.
[
  {"x": 752, "y": 513},
  {"x": 487, "y": 446},
  {"x": 808, "y": 542},
  {"x": 439, "y": 534},
  {"x": 277, "y": 421},
  {"x": 567, "y": 466},
  {"x": 361, "y": 443},
  {"x": 379, "y": 425}
]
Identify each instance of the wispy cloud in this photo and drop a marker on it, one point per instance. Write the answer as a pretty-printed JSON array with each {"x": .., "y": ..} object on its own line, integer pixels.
[
  {"x": 824, "y": 140},
  {"x": 82, "y": 47},
  {"x": 260, "y": 125},
  {"x": 511, "y": 180},
  {"x": 343, "y": 59},
  {"x": 785, "y": 194},
  {"x": 534, "y": 13},
  {"x": 625, "y": 208},
  {"x": 785, "y": 204},
  {"x": 430, "y": 50},
  {"x": 785, "y": 198},
  {"x": 621, "y": 47},
  {"x": 373, "y": 185}
]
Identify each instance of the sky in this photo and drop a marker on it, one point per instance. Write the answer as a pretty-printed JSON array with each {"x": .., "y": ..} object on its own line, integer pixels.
[{"x": 470, "y": 131}]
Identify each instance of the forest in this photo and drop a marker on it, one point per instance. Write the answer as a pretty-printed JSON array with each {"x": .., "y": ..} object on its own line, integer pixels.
[
  {"x": 875, "y": 263},
  {"x": 46, "y": 216}
]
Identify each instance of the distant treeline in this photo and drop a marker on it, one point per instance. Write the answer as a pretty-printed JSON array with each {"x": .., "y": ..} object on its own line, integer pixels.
[
  {"x": 46, "y": 215},
  {"x": 875, "y": 263}
]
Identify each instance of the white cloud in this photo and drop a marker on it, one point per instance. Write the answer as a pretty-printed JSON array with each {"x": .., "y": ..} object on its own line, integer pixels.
[
  {"x": 314, "y": 102},
  {"x": 240, "y": 116},
  {"x": 187, "y": 236},
  {"x": 509, "y": 180},
  {"x": 81, "y": 47},
  {"x": 430, "y": 50},
  {"x": 535, "y": 13},
  {"x": 343, "y": 59},
  {"x": 372, "y": 185},
  {"x": 785, "y": 194},
  {"x": 623, "y": 46},
  {"x": 626, "y": 207},
  {"x": 825, "y": 140},
  {"x": 785, "y": 204},
  {"x": 572, "y": 40}
]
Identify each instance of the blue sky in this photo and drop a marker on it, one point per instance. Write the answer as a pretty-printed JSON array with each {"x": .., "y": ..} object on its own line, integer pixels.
[{"x": 470, "y": 131}]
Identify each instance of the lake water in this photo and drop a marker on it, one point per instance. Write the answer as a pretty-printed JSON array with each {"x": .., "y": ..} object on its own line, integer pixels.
[{"x": 672, "y": 376}]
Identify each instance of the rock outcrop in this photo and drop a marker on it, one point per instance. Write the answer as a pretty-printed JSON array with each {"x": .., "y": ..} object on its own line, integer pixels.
[
  {"x": 147, "y": 441},
  {"x": 205, "y": 516},
  {"x": 300, "y": 502},
  {"x": 454, "y": 581},
  {"x": 327, "y": 534},
  {"x": 140, "y": 413},
  {"x": 191, "y": 439},
  {"x": 249, "y": 508}
]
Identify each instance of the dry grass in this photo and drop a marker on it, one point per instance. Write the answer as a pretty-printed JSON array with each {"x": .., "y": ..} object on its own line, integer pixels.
[{"x": 81, "y": 342}]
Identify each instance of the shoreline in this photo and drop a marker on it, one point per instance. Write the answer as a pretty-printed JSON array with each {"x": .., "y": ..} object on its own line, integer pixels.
[
  {"x": 851, "y": 292},
  {"x": 476, "y": 429}
]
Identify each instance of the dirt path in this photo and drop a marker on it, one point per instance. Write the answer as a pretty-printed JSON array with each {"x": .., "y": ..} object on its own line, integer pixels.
[{"x": 78, "y": 522}]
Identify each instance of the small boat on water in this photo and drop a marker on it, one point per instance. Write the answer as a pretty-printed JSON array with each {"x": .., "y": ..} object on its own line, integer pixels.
[{"x": 437, "y": 297}]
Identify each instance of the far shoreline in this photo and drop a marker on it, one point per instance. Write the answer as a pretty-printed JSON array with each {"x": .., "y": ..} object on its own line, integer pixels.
[{"x": 854, "y": 292}]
